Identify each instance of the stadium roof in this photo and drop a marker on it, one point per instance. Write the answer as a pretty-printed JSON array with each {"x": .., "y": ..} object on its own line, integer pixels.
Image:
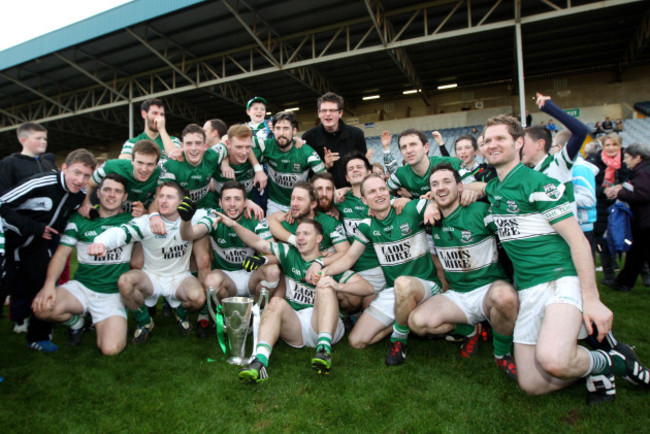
[{"x": 207, "y": 58}]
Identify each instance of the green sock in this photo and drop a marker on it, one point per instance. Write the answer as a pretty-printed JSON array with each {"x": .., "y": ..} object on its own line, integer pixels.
[
  {"x": 141, "y": 315},
  {"x": 464, "y": 330},
  {"x": 181, "y": 313},
  {"x": 400, "y": 333},
  {"x": 324, "y": 342},
  {"x": 502, "y": 344},
  {"x": 263, "y": 352}
]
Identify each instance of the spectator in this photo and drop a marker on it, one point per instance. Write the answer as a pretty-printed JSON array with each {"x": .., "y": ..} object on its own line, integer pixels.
[
  {"x": 529, "y": 119},
  {"x": 378, "y": 168},
  {"x": 583, "y": 179},
  {"x": 14, "y": 169},
  {"x": 607, "y": 125},
  {"x": 612, "y": 171},
  {"x": 597, "y": 131},
  {"x": 618, "y": 126},
  {"x": 636, "y": 192},
  {"x": 31, "y": 160},
  {"x": 551, "y": 126},
  {"x": 333, "y": 138}
]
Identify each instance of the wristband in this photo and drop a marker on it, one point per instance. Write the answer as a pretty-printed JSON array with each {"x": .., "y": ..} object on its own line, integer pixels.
[
  {"x": 320, "y": 262},
  {"x": 257, "y": 168},
  {"x": 387, "y": 151},
  {"x": 292, "y": 240},
  {"x": 154, "y": 214}
]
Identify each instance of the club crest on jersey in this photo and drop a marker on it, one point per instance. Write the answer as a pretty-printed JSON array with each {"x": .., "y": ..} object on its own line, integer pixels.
[
  {"x": 512, "y": 206},
  {"x": 552, "y": 191},
  {"x": 297, "y": 167},
  {"x": 466, "y": 236},
  {"x": 405, "y": 229}
]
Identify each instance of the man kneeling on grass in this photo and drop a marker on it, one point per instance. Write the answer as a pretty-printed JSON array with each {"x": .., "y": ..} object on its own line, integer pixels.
[
  {"x": 307, "y": 315},
  {"x": 94, "y": 289},
  {"x": 166, "y": 270}
]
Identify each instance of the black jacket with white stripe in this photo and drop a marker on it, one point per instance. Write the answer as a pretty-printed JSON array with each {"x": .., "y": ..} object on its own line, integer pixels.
[{"x": 40, "y": 201}]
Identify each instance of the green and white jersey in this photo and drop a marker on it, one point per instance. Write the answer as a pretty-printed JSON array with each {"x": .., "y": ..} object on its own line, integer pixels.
[
  {"x": 97, "y": 274},
  {"x": 558, "y": 167},
  {"x": 127, "y": 147},
  {"x": 196, "y": 179},
  {"x": 138, "y": 191},
  {"x": 261, "y": 131},
  {"x": 165, "y": 254},
  {"x": 244, "y": 173},
  {"x": 400, "y": 243},
  {"x": 355, "y": 212},
  {"x": 418, "y": 185},
  {"x": 299, "y": 294},
  {"x": 467, "y": 248},
  {"x": 229, "y": 250},
  {"x": 333, "y": 231},
  {"x": 287, "y": 168},
  {"x": 524, "y": 206}
]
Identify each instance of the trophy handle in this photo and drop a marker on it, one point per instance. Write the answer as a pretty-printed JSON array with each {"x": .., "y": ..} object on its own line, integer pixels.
[{"x": 263, "y": 300}]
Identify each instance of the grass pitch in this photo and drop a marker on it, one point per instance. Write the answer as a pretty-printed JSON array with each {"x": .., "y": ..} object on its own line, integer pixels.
[{"x": 170, "y": 385}]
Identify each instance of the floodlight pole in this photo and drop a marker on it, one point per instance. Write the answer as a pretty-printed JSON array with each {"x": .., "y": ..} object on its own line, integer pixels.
[{"x": 520, "y": 64}]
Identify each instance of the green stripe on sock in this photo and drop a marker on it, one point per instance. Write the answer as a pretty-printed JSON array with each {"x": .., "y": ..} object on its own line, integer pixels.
[
  {"x": 263, "y": 352},
  {"x": 74, "y": 319},
  {"x": 400, "y": 333}
]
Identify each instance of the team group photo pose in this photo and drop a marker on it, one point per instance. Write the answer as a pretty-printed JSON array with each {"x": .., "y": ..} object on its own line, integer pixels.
[{"x": 241, "y": 216}]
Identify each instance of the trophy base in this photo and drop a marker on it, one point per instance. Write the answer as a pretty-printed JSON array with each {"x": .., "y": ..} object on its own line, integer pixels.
[{"x": 237, "y": 361}]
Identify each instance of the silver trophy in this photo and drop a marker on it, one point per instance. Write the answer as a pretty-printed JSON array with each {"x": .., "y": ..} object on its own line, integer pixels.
[{"x": 237, "y": 316}]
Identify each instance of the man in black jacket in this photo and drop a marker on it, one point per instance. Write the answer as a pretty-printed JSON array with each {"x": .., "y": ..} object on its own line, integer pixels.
[
  {"x": 32, "y": 213},
  {"x": 333, "y": 139}
]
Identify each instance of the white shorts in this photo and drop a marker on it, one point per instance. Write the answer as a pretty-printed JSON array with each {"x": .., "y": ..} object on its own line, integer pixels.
[
  {"x": 375, "y": 277},
  {"x": 165, "y": 286},
  {"x": 309, "y": 335},
  {"x": 272, "y": 207},
  {"x": 240, "y": 278},
  {"x": 534, "y": 300},
  {"x": 471, "y": 303},
  {"x": 382, "y": 308},
  {"x": 100, "y": 305}
]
